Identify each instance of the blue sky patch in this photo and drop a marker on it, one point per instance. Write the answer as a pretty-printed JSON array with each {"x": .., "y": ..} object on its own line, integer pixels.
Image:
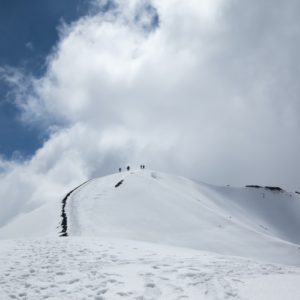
[{"x": 28, "y": 31}]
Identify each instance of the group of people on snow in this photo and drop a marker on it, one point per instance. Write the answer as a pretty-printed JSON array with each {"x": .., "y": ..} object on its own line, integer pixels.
[{"x": 128, "y": 168}]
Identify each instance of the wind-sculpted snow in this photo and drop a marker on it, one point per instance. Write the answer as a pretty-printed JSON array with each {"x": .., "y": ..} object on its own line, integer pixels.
[{"x": 106, "y": 269}]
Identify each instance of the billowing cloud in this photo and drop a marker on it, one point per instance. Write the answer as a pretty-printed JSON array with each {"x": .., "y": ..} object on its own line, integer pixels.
[{"x": 206, "y": 89}]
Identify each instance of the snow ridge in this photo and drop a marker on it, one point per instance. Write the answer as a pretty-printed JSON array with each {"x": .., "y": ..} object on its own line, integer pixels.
[{"x": 160, "y": 208}]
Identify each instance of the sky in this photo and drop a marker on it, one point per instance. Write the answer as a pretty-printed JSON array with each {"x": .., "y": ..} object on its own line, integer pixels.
[
  {"x": 28, "y": 32},
  {"x": 203, "y": 89}
]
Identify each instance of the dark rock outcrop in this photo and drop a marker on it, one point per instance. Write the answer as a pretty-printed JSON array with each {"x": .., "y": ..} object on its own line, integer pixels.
[
  {"x": 274, "y": 188},
  {"x": 119, "y": 183},
  {"x": 64, "y": 221},
  {"x": 254, "y": 186}
]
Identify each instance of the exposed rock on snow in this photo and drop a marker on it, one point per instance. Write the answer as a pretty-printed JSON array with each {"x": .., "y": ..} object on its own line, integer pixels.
[
  {"x": 119, "y": 183},
  {"x": 274, "y": 188},
  {"x": 166, "y": 209},
  {"x": 64, "y": 221},
  {"x": 254, "y": 186}
]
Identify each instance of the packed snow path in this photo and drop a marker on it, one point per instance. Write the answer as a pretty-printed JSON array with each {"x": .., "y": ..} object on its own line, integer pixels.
[{"x": 106, "y": 269}]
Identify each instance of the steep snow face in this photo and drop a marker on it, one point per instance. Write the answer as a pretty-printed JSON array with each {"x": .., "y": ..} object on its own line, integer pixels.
[{"x": 155, "y": 207}]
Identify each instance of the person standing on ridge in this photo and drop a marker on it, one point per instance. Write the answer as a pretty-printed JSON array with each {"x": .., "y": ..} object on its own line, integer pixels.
[
  {"x": 120, "y": 170},
  {"x": 128, "y": 168}
]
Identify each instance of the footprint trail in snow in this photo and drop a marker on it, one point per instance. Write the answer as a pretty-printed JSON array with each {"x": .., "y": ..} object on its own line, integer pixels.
[{"x": 91, "y": 268}]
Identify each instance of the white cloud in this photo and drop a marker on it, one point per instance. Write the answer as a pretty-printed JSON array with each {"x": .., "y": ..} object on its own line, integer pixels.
[{"x": 212, "y": 93}]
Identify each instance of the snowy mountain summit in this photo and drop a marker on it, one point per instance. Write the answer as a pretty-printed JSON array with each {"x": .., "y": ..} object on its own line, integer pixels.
[
  {"x": 149, "y": 235},
  {"x": 159, "y": 208}
]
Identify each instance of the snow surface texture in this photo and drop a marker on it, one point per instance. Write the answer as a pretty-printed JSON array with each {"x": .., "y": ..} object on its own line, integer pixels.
[
  {"x": 88, "y": 268},
  {"x": 149, "y": 235}
]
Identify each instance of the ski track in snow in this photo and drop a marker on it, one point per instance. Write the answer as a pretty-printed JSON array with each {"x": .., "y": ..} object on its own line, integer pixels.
[{"x": 90, "y": 268}]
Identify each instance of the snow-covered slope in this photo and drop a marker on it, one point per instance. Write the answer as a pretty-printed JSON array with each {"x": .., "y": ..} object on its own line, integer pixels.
[
  {"x": 149, "y": 235},
  {"x": 156, "y": 207},
  {"x": 165, "y": 209}
]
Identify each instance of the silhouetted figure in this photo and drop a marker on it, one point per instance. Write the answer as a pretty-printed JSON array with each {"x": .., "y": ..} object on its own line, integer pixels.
[
  {"x": 141, "y": 166},
  {"x": 128, "y": 168},
  {"x": 120, "y": 170}
]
